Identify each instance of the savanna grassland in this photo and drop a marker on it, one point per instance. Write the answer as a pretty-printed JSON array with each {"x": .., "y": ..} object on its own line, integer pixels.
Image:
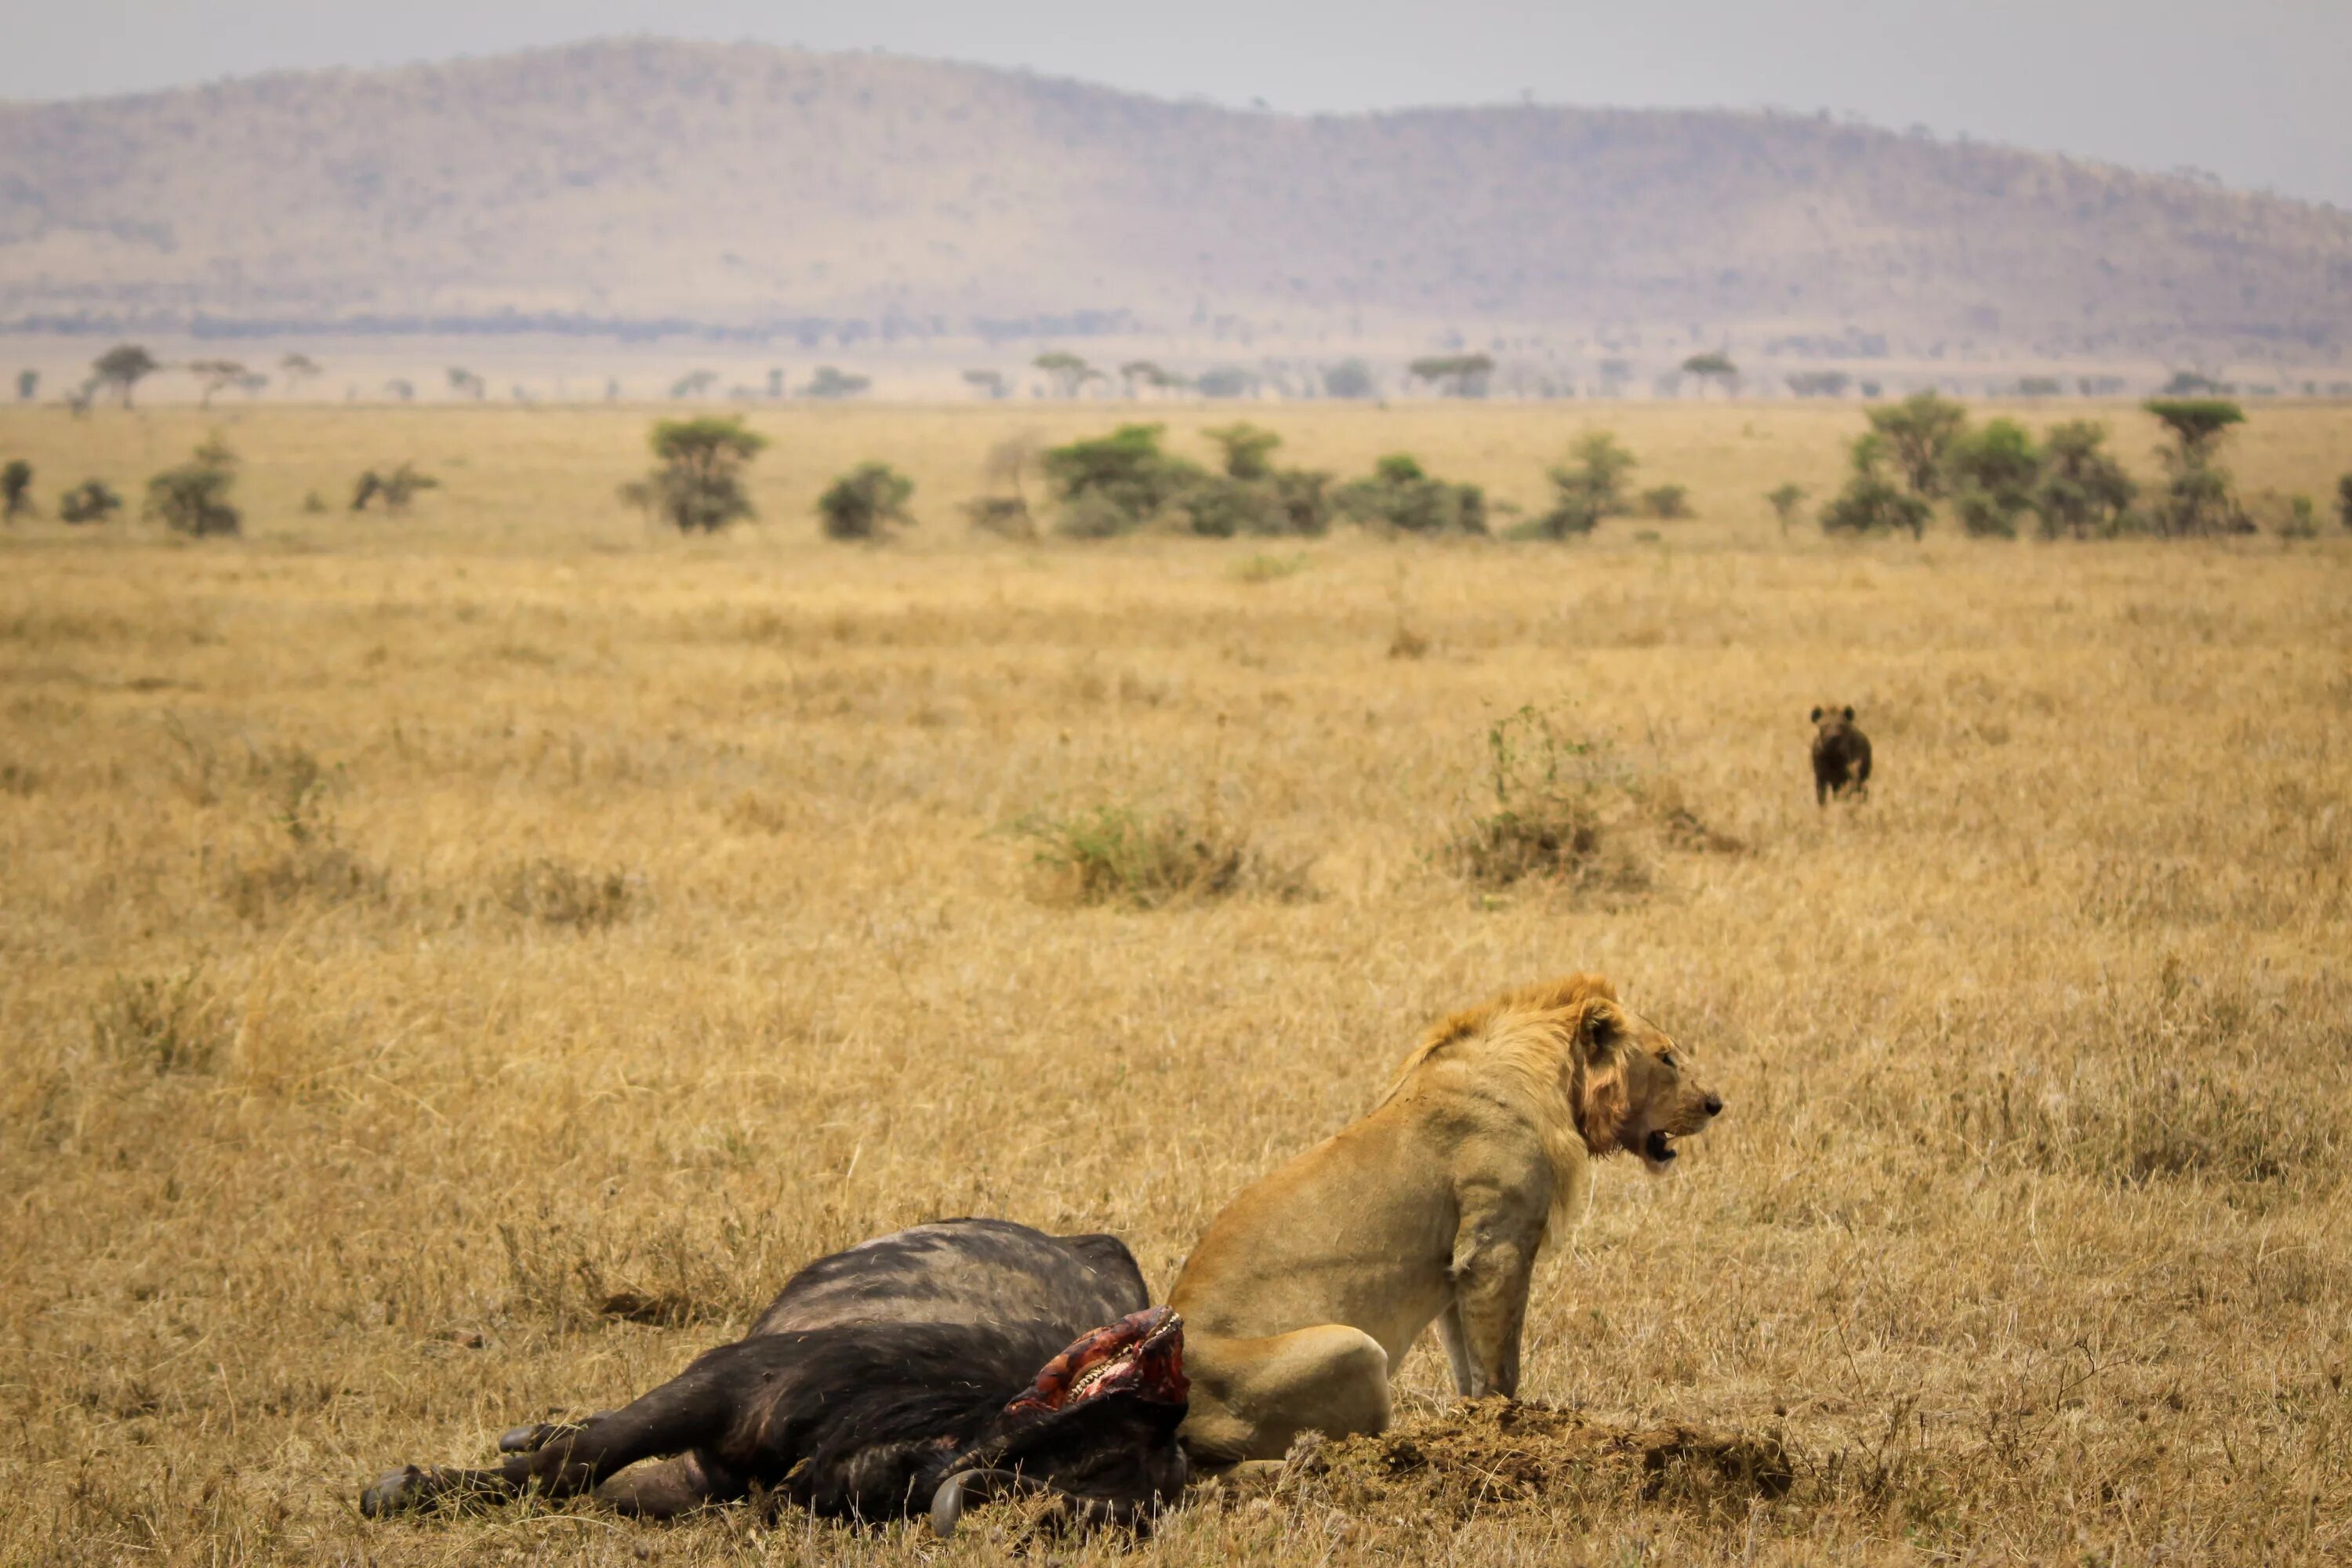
[{"x": 456, "y": 967}]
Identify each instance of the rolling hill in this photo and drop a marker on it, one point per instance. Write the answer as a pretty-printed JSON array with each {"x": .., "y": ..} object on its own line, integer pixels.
[{"x": 639, "y": 186}]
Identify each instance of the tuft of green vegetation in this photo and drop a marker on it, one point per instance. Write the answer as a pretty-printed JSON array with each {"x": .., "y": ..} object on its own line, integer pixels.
[
  {"x": 1550, "y": 817},
  {"x": 1263, "y": 568},
  {"x": 1784, "y": 502},
  {"x": 1993, "y": 473},
  {"x": 1121, "y": 854},
  {"x": 1667, "y": 503}
]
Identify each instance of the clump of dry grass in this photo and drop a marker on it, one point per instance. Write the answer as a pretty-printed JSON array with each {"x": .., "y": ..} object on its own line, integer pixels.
[
  {"x": 161, "y": 1023},
  {"x": 558, "y": 893},
  {"x": 1118, "y": 853}
]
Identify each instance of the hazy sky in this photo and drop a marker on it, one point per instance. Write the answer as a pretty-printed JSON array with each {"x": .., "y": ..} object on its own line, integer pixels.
[{"x": 2253, "y": 91}]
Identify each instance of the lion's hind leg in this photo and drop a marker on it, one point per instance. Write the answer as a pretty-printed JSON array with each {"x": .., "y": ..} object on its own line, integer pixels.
[{"x": 1252, "y": 1397}]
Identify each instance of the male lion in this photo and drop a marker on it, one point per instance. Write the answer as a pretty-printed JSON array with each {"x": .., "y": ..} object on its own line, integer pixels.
[{"x": 1313, "y": 1283}]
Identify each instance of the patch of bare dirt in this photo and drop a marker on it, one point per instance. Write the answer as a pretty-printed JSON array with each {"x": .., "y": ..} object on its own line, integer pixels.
[{"x": 1499, "y": 1454}]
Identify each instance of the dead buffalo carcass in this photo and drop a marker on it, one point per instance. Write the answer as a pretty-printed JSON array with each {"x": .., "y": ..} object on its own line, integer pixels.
[{"x": 902, "y": 1373}]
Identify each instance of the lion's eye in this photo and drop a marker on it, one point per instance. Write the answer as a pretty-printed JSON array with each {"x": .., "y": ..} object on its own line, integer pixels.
[{"x": 1667, "y": 1059}]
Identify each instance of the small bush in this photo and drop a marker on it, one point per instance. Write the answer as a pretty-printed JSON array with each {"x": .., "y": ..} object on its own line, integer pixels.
[
  {"x": 1549, "y": 821},
  {"x": 2300, "y": 519},
  {"x": 1399, "y": 495},
  {"x": 1784, "y": 502},
  {"x": 161, "y": 1024},
  {"x": 699, "y": 489},
  {"x": 1116, "y": 853},
  {"x": 867, "y": 502},
  {"x": 2083, "y": 492},
  {"x": 1871, "y": 504},
  {"x": 556, "y": 894},
  {"x": 1116, "y": 483},
  {"x": 301, "y": 854},
  {"x": 15, "y": 489},
  {"x": 1666, "y": 502},
  {"x": 1589, "y": 489},
  {"x": 192, "y": 498},
  {"x": 1993, "y": 472},
  {"x": 90, "y": 501},
  {"x": 2343, "y": 501}
]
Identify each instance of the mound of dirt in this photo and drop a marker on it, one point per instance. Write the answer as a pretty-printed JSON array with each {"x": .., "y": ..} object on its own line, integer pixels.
[{"x": 1494, "y": 1454}]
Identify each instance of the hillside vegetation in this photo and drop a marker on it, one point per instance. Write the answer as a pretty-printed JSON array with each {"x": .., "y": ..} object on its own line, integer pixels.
[{"x": 838, "y": 197}]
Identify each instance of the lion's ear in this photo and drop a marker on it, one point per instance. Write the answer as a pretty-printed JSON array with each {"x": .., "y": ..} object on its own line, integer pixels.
[
  {"x": 1817, "y": 715},
  {"x": 1849, "y": 715},
  {"x": 1600, "y": 1026}
]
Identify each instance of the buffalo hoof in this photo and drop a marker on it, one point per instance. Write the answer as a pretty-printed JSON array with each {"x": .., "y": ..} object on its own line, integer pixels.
[
  {"x": 398, "y": 1491},
  {"x": 530, "y": 1439}
]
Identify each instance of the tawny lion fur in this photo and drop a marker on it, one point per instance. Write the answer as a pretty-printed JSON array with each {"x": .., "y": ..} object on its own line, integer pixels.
[{"x": 1313, "y": 1283}]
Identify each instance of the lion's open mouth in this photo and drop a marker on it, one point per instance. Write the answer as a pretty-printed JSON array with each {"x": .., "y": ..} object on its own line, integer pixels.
[
  {"x": 1141, "y": 1355},
  {"x": 1658, "y": 1148}
]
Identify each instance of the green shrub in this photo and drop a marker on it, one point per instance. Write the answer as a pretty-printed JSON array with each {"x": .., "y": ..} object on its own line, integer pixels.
[
  {"x": 1401, "y": 495},
  {"x": 867, "y": 502},
  {"x": 192, "y": 498},
  {"x": 16, "y": 488},
  {"x": 699, "y": 489},
  {"x": 1550, "y": 816},
  {"x": 2083, "y": 492},
  {"x": 1589, "y": 489},
  {"x": 1993, "y": 474},
  {"x": 92, "y": 500},
  {"x": 1666, "y": 502},
  {"x": 2343, "y": 501},
  {"x": 1784, "y": 502},
  {"x": 1116, "y": 483},
  {"x": 1119, "y": 854}
]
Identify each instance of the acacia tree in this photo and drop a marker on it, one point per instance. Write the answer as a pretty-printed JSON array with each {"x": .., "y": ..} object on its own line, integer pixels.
[
  {"x": 1246, "y": 448},
  {"x": 2084, "y": 492},
  {"x": 1069, "y": 371},
  {"x": 297, "y": 368},
  {"x": 124, "y": 367},
  {"x": 1714, "y": 366},
  {"x": 28, "y": 384},
  {"x": 699, "y": 489},
  {"x": 1918, "y": 433},
  {"x": 2343, "y": 501},
  {"x": 1144, "y": 372},
  {"x": 216, "y": 375},
  {"x": 466, "y": 383},
  {"x": 2198, "y": 494},
  {"x": 989, "y": 384},
  {"x": 1456, "y": 375},
  {"x": 1784, "y": 502}
]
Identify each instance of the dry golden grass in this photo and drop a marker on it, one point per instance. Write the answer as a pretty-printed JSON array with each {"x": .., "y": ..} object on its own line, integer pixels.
[{"x": 419, "y": 934}]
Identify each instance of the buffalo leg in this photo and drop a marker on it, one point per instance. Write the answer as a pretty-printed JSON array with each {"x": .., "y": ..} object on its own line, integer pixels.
[{"x": 693, "y": 1409}]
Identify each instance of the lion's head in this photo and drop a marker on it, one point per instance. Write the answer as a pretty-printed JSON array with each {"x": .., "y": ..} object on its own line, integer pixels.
[{"x": 1639, "y": 1090}]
